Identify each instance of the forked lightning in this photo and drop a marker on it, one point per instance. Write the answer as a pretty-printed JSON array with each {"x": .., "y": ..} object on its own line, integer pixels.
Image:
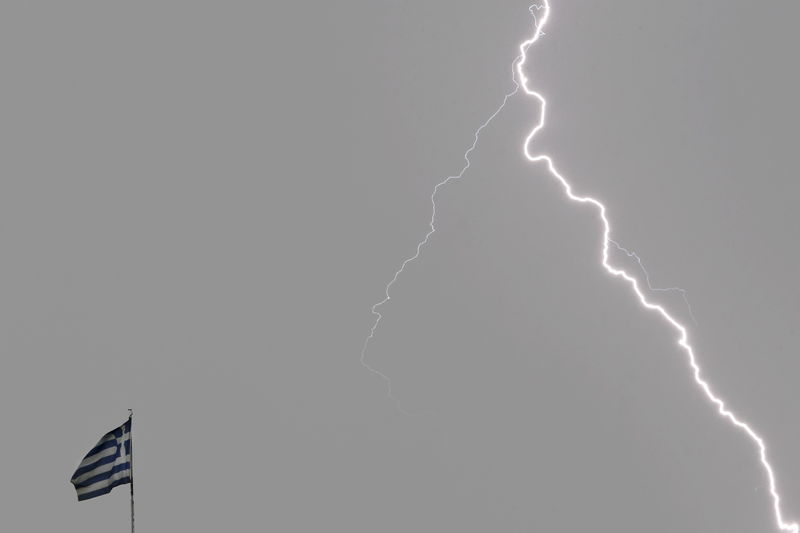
[{"x": 521, "y": 83}]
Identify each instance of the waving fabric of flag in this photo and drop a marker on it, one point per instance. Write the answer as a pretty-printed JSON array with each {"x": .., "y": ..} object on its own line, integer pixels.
[{"x": 106, "y": 465}]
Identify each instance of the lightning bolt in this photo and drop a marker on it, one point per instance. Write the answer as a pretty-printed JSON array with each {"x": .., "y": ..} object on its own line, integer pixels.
[{"x": 521, "y": 83}]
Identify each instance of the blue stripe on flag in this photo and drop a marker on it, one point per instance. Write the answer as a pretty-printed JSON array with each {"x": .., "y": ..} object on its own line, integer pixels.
[
  {"x": 106, "y": 442},
  {"x": 104, "y": 490}
]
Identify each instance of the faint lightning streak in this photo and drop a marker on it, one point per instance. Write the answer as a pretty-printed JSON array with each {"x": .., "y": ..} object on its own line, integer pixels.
[
  {"x": 423, "y": 242},
  {"x": 638, "y": 259},
  {"x": 683, "y": 339}
]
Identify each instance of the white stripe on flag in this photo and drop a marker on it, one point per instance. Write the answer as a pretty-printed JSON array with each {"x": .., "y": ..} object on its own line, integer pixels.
[{"x": 105, "y": 482}]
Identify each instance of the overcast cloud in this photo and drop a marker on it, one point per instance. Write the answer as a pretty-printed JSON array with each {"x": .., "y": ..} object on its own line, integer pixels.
[{"x": 200, "y": 202}]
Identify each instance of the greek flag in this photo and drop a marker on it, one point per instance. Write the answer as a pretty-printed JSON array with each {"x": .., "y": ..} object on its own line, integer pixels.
[{"x": 106, "y": 465}]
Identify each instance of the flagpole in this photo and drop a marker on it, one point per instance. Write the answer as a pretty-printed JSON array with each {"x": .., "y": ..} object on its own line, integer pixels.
[{"x": 131, "y": 450}]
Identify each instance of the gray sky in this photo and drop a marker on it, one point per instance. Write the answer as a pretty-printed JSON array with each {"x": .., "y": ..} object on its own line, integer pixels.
[{"x": 201, "y": 201}]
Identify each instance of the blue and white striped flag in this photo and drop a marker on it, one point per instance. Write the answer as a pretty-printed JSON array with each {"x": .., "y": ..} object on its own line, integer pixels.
[{"x": 106, "y": 465}]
